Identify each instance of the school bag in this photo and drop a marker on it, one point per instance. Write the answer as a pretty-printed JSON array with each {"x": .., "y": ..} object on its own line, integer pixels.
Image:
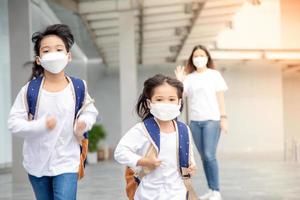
[
  {"x": 133, "y": 178},
  {"x": 78, "y": 88}
]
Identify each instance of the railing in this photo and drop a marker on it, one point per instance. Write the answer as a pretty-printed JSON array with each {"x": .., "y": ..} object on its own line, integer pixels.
[{"x": 291, "y": 150}]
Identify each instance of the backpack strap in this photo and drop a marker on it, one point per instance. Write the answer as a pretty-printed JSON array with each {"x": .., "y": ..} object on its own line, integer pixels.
[
  {"x": 79, "y": 90},
  {"x": 154, "y": 131},
  {"x": 184, "y": 159},
  {"x": 32, "y": 96},
  {"x": 34, "y": 88},
  {"x": 184, "y": 144}
]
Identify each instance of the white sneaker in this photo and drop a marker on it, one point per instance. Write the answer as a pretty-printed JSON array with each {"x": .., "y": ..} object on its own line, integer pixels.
[
  {"x": 216, "y": 195},
  {"x": 207, "y": 195}
]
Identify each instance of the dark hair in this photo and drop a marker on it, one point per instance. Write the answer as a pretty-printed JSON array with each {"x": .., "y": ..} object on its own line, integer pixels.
[
  {"x": 60, "y": 30},
  {"x": 190, "y": 65},
  {"x": 150, "y": 84}
]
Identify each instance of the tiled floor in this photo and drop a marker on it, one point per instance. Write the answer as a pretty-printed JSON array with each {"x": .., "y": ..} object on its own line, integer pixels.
[{"x": 256, "y": 178}]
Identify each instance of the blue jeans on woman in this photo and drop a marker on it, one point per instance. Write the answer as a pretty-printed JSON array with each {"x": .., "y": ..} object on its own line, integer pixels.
[
  {"x": 206, "y": 135},
  {"x": 60, "y": 187}
]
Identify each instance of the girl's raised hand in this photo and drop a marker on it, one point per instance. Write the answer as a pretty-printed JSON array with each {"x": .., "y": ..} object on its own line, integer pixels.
[
  {"x": 180, "y": 73},
  {"x": 50, "y": 122}
]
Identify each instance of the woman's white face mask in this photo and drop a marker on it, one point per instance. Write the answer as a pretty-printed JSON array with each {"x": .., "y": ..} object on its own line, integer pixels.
[
  {"x": 165, "y": 111},
  {"x": 200, "y": 61},
  {"x": 54, "y": 62}
]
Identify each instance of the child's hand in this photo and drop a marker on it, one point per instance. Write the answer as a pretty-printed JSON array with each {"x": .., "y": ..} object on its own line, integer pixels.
[
  {"x": 79, "y": 129},
  {"x": 151, "y": 163},
  {"x": 192, "y": 170},
  {"x": 50, "y": 122}
]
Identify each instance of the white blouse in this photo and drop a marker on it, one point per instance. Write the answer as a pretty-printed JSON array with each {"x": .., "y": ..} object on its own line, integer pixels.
[
  {"x": 163, "y": 183},
  {"x": 50, "y": 152},
  {"x": 201, "y": 91}
]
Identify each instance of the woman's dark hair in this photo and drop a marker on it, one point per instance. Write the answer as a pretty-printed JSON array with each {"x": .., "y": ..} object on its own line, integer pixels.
[
  {"x": 190, "y": 65},
  {"x": 60, "y": 30},
  {"x": 142, "y": 107}
]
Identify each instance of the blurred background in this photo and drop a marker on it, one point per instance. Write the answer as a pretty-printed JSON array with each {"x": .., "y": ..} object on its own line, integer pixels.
[{"x": 119, "y": 43}]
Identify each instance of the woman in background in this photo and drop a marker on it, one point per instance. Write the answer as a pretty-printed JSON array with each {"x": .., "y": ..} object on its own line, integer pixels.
[{"x": 204, "y": 88}]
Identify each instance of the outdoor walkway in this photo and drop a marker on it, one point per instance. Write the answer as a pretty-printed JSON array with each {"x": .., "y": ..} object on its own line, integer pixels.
[{"x": 255, "y": 178}]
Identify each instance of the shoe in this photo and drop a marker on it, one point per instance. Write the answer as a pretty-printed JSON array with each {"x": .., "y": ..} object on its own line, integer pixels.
[
  {"x": 206, "y": 196},
  {"x": 216, "y": 195}
]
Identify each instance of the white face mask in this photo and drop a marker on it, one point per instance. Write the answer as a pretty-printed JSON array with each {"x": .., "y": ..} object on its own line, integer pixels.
[
  {"x": 165, "y": 111},
  {"x": 200, "y": 61},
  {"x": 54, "y": 62}
]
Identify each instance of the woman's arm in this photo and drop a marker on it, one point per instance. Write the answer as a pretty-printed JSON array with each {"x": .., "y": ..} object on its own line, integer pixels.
[
  {"x": 223, "y": 120},
  {"x": 192, "y": 168}
]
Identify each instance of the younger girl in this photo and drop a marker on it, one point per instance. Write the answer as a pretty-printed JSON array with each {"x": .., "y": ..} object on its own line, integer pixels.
[
  {"x": 160, "y": 101},
  {"x": 51, "y": 150}
]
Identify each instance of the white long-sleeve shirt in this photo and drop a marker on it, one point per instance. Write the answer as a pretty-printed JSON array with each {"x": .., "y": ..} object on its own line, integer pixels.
[
  {"x": 50, "y": 152},
  {"x": 163, "y": 183}
]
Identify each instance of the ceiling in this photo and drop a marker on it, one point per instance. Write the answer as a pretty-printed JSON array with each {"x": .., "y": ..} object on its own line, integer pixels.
[{"x": 166, "y": 30}]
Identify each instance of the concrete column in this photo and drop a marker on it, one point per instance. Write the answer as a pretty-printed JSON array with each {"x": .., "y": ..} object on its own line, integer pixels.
[
  {"x": 128, "y": 71},
  {"x": 5, "y": 137},
  {"x": 20, "y": 53}
]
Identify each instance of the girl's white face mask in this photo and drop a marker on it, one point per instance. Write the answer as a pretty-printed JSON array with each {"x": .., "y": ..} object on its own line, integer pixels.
[
  {"x": 165, "y": 111},
  {"x": 54, "y": 62},
  {"x": 200, "y": 61}
]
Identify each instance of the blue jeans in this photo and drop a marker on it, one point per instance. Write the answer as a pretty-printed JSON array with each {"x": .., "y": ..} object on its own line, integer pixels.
[
  {"x": 206, "y": 135},
  {"x": 60, "y": 187}
]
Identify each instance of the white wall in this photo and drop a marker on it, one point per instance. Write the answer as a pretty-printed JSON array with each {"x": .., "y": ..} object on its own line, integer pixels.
[
  {"x": 291, "y": 88},
  {"x": 255, "y": 97},
  {"x": 104, "y": 88},
  {"x": 255, "y": 109},
  {"x": 255, "y": 27}
]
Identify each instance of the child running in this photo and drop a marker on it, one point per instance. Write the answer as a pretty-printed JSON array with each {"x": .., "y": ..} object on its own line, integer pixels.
[
  {"x": 160, "y": 177},
  {"x": 52, "y": 112}
]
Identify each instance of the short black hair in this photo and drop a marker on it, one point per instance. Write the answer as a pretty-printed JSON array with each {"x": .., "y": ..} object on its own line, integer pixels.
[{"x": 60, "y": 30}]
